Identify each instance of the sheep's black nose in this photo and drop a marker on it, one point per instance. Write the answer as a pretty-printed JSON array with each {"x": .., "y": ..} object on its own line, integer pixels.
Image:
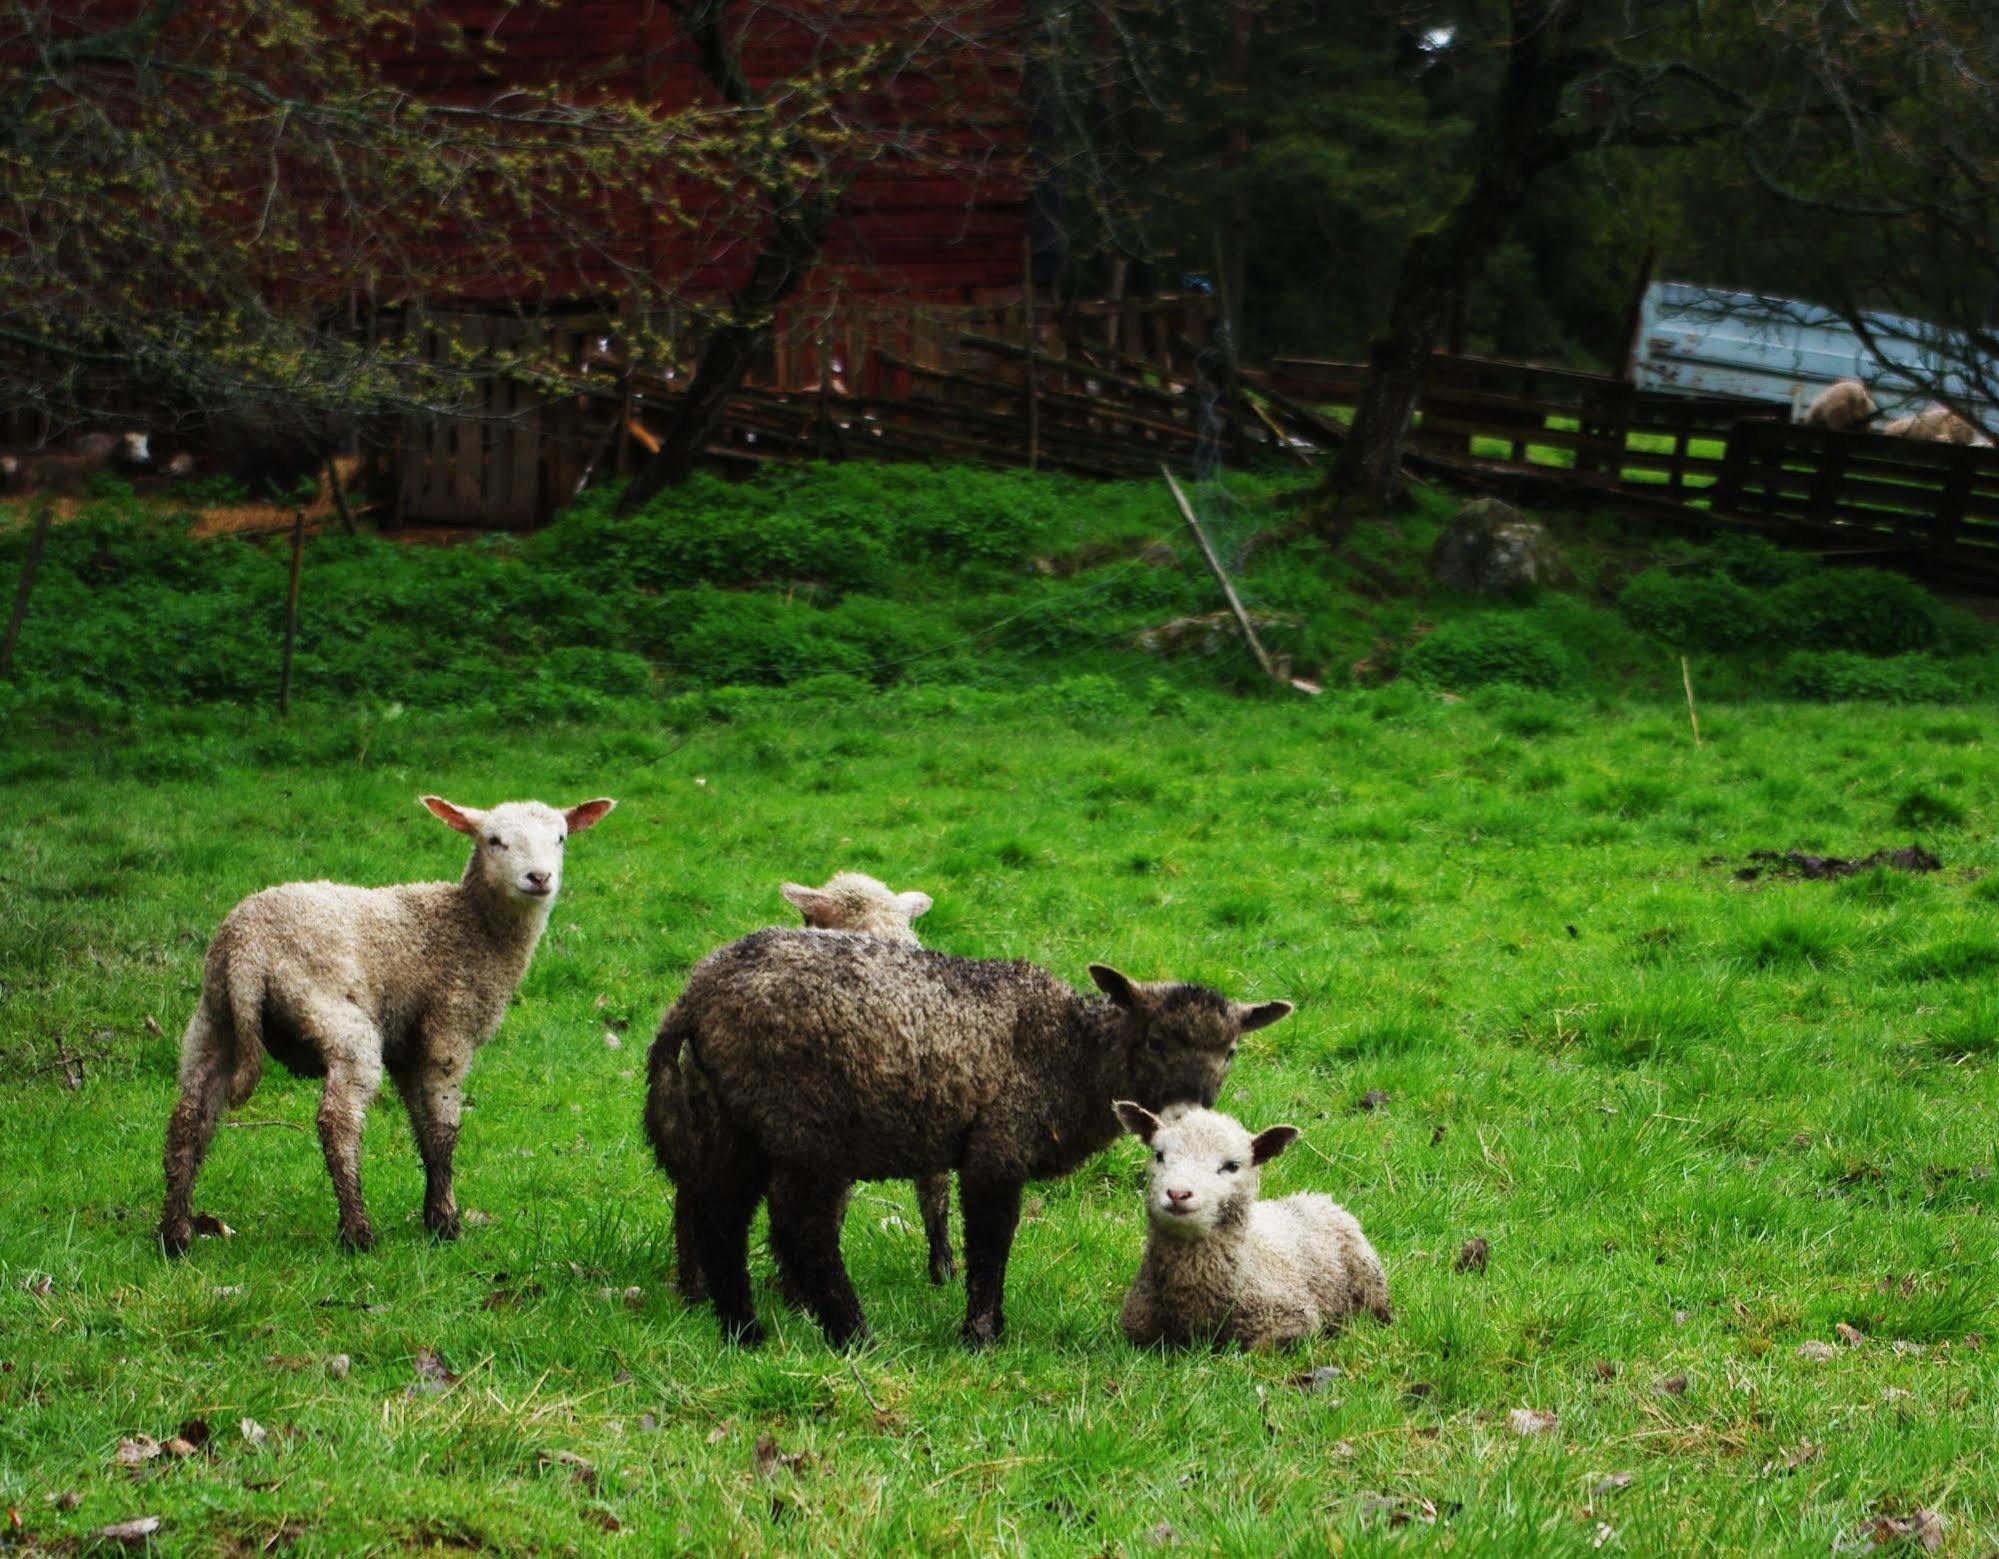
[{"x": 538, "y": 879}]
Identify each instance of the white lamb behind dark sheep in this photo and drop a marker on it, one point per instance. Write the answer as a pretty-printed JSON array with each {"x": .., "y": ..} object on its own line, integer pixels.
[
  {"x": 1222, "y": 1266},
  {"x": 1843, "y": 404},
  {"x": 347, "y": 983}
]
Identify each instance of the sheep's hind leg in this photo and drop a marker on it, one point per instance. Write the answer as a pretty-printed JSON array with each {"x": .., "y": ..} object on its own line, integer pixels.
[
  {"x": 353, "y": 1052},
  {"x": 204, "y": 1085},
  {"x": 992, "y": 1213},
  {"x": 805, "y": 1214},
  {"x": 435, "y": 1099},
  {"x": 933, "y": 1199},
  {"x": 721, "y": 1199},
  {"x": 687, "y": 1279}
]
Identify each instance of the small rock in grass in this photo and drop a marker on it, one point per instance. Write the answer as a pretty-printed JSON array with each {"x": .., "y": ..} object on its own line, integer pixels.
[
  {"x": 253, "y": 1432},
  {"x": 1529, "y": 1421},
  {"x": 340, "y": 1366},
  {"x": 137, "y": 1530},
  {"x": 1816, "y": 1350}
]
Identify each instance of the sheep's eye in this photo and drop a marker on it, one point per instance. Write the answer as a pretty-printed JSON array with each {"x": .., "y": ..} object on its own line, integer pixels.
[
  {"x": 1159, "y": 1157},
  {"x": 495, "y": 841},
  {"x": 1230, "y": 1167}
]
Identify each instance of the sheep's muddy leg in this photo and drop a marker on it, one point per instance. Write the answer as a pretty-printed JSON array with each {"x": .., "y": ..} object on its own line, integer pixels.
[
  {"x": 805, "y": 1214},
  {"x": 933, "y": 1199},
  {"x": 686, "y": 1259},
  {"x": 992, "y": 1212},
  {"x": 352, "y": 1076},
  {"x": 722, "y": 1199},
  {"x": 435, "y": 1099},
  {"x": 204, "y": 1085}
]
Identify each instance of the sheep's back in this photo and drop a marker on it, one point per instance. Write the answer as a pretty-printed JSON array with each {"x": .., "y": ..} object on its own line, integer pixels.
[{"x": 865, "y": 1057}]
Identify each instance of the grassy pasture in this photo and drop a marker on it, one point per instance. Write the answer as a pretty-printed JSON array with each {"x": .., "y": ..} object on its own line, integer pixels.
[{"x": 1699, "y": 1121}]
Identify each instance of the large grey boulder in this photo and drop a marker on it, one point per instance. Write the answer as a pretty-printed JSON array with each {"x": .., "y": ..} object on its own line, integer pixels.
[{"x": 1491, "y": 548}]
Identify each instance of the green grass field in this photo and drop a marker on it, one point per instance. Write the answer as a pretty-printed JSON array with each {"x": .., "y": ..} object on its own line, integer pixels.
[{"x": 1700, "y": 1122}]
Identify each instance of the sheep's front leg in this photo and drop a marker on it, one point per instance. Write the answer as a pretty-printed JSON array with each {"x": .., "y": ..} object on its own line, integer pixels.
[
  {"x": 805, "y": 1213},
  {"x": 353, "y": 1073},
  {"x": 933, "y": 1199},
  {"x": 992, "y": 1213},
  {"x": 435, "y": 1097}
]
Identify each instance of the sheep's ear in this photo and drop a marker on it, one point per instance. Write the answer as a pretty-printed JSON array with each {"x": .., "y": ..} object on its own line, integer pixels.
[
  {"x": 584, "y": 813},
  {"x": 464, "y": 819},
  {"x": 914, "y": 906},
  {"x": 1270, "y": 1142},
  {"x": 1114, "y": 985},
  {"x": 1261, "y": 1015},
  {"x": 807, "y": 901},
  {"x": 1138, "y": 1120}
]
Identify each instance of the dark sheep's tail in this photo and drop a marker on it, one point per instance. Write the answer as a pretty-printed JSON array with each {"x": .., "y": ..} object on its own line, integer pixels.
[{"x": 665, "y": 1099}]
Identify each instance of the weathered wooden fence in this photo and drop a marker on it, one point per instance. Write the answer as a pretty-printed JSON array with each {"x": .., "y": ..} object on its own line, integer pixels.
[{"x": 550, "y": 402}]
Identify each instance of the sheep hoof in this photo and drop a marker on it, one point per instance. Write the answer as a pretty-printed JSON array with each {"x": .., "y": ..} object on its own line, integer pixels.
[
  {"x": 177, "y": 1236},
  {"x": 360, "y": 1239},
  {"x": 982, "y": 1331},
  {"x": 445, "y": 1228},
  {"x": 942, "y": 1268},
  {"x": 689, "y": 1285},
  {"x": 744, "y": 1334}
]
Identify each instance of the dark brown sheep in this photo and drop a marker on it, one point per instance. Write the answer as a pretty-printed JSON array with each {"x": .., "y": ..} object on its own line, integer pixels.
[{"x": 811, "y": 1061}]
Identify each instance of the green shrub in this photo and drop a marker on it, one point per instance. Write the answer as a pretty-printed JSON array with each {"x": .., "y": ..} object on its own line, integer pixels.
[
  {"x": 1696, "y": 611},
  {"x": 1864, "y": 609},
  {"x": 1491, "y": 647},
  {"x": 1841, "y": 675},
  {"x": 1757, "y": 561}
]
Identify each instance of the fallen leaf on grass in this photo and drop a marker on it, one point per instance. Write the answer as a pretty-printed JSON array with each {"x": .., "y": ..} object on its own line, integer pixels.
[
  {"x": 1163, "y": 1535},
  {"x": 254, "y": 1433},
  {"x": 1852, "y": 1336},
  {"x": 1315, "y": 1380},
  {"x": 137, "y": 1530},
  {"x": 597, "y": 1516},
  {"x": 1816, "y": 1350},
  {"x": 40, "y": 1284},
  {"x": 138, "y": 1448},
  {"x": 1674, "y": 1385},
  {"x": 1474, "y": 1255},
  {"x": 208, "y": 1223},
  {"x": 1603, "y": 1534},
  {"x": 770, "y": 1459},
  {"x": 195, "y": 1431},
  {"x": 1419, "y": 1390},
  {"x": 477, "y": 1218},
  {"x": 340, "y": 1366},
  {"x": 1896, "y": 1394},
  {"x": 1610, "y": 1484},
  {"x": 179, "y": 1448},
  {"x": 1530, "y": 1421},
  {"x": 434, "y": 1377},
  {"x": 1343, "y": 1449},
  {"x": 1397, "y": 1510},
  {"x": 1605, "y": 1370},
  {"x": 1375, "y": 1099},
  {"x": 580, "y": 1470},
  {"x": 67, "y": 1499},
  {"x": 648, "y": 1422},
  {"x": 1680, "y": 1318},
  {"x": 1904, "y": 1349},
  {"x": 1808, "y": 1451},
  {"x": 721, "y": 1431},
  {"x": 1924, "y": 1528},
  {"x": 227, "y": 1290}
]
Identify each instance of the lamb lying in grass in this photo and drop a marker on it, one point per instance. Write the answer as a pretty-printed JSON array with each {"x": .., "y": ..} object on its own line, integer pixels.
[
  {"x": 1220, "y": 1265},
  {"x": 346, "y": 983},
  {"x": 851, "y": 904}
]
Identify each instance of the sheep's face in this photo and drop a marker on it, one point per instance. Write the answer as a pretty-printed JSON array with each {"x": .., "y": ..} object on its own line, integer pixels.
[
  {"x": 517, "y": 847},
  {"x": 855, "y": 902},
  {"x": 1180, "y": 1040},
  {"x": 1205, "y": 1167}
]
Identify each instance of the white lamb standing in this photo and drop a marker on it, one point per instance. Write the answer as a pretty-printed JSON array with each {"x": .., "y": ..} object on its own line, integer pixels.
[
  {"x": 1222, "y": 1266},
  {"x": 1843, "y": 404},
  {"x": 347, "y": 983}
]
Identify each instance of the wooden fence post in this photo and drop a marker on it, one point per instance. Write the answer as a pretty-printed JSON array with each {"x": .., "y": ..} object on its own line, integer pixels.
[
  {"x": 37, "y": 544},
  {"x": 291, "y": 611}
]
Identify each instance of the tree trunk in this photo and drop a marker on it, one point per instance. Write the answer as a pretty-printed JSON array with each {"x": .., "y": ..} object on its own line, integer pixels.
[
  {"x": 731, "y": 348},
  {"x": 1443, "y": 260}
]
